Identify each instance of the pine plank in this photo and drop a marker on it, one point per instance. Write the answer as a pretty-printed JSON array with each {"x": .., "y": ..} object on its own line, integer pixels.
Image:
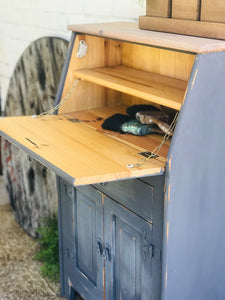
[
  {"x": 74, "y": 151},
  {"x": 130, "y": 32},
  {"x": 158, "y": 8},
  {"x": 189, "y": 27},
  {"x": 164, "y": 62},
  {"x": 104, "y": 53},
  {"x": 213, "y": 11},
  {"x": 153, "y": 87},
  {"x": 186, "y": 9},
  {"x": 96, "y": 94},
  {"x": 95, "y": 117},
  {"x": 100, "y": 53}
]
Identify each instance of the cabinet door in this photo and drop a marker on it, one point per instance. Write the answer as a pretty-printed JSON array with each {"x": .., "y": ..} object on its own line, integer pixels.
[
  {"x": 66, "y": 232},
  {"x": 87, "y": 275},
  {"x": 128, "y": 254}
]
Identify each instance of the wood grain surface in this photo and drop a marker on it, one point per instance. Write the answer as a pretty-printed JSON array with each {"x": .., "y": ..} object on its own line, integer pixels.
[
  {"x": 213, "y": 11},
  {"x": 95, "y": 117},
  {"x": 158, "y": 8},
  {"x": 126, "y": 31},
  {"x": 155, "y": 88},
  {"x": 186, "y": 9},
  {"x": 75, "y": 150},
  {"x": 107, "y": 53},
  {"x": 195, "y": 31}
]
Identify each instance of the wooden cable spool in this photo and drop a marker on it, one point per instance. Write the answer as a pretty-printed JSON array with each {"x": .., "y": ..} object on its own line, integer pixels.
[{"x": 32, "y": 90}]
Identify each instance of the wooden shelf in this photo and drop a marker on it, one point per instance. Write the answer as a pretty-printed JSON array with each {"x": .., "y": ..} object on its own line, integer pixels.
[
  {"x": 75, "y": 151},
  {"x": 156, "y": 88}
]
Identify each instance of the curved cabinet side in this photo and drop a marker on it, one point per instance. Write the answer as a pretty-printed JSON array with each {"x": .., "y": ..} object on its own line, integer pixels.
[{"x": 194, "y": 222}]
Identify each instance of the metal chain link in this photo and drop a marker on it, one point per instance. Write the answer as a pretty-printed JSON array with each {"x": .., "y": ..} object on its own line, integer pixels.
[
  {"x": 71, "y": 90},
  {"x": 141, "y": 162},
  {"x": 158, "y": 148}
]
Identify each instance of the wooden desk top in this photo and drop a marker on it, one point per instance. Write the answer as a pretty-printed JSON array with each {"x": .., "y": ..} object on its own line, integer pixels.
[
  {"x": 130, "y": 32},
  {"x": 79, "y": 154}
]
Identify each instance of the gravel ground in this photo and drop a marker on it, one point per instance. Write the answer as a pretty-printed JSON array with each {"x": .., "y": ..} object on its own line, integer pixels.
[{"x": 20, "y": 277}]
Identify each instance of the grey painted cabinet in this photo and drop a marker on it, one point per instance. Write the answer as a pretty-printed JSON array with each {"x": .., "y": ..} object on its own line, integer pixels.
[
  {"x": 128, "y": 269},
  {"x": 88, "y": 237},
  {"x": 106, "y": 249},
  {"x": 82, "y": 232}
]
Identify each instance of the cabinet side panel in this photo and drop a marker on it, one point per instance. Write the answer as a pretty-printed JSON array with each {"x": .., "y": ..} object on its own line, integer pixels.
[
  {"x": 65, "y": 69},
  {"x": 60, "y": 233},
  {"x": 66, "y": 232},
  {"x": 194, "y": 244}
]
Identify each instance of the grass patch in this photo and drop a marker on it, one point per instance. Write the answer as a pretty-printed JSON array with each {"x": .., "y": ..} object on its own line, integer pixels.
[{"x": 48, "y": 252}]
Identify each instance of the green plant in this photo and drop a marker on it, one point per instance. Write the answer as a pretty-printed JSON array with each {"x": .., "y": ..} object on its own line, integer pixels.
[{"x": 48, "y": 252}]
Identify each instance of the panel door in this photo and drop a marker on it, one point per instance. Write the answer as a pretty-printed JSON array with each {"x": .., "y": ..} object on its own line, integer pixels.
[
  {"x": 87, "y": 274},
  {"x": 128, "y": 254},
  {"x": 66, "y": 232}
]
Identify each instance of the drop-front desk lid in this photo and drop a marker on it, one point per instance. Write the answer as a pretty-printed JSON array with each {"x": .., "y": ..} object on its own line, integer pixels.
[{"x": 75, "y": 151}]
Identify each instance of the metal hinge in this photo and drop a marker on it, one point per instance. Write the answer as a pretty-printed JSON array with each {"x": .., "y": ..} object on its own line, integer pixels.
[
  {"x": 147, "y": 154},
  {"x": 68, "y": 190},
  {"x": 150, "y": 251},
  {"x": 156, "y": 253},
  {"x": 82, "y": 49}
]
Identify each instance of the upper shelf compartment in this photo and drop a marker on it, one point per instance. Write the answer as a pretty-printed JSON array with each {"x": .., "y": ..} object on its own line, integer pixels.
[
  {"x": 125, "y": 73},
  {"x": 156, "y": 88}
]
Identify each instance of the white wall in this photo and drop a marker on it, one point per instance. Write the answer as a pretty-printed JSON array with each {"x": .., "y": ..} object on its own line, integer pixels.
[{"x": 23, "y": 21}]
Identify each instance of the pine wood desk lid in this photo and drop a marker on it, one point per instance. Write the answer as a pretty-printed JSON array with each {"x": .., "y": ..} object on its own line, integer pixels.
[
  {"x": 74, "y": 151},
  {"x": 130, "y": 32}
]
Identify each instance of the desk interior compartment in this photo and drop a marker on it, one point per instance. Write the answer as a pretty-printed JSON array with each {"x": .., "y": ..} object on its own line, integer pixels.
[{"x": 114, "y": 75}]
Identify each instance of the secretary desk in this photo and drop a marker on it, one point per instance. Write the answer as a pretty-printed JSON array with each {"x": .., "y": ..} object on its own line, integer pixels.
[{"x": 127, "y": 230}]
